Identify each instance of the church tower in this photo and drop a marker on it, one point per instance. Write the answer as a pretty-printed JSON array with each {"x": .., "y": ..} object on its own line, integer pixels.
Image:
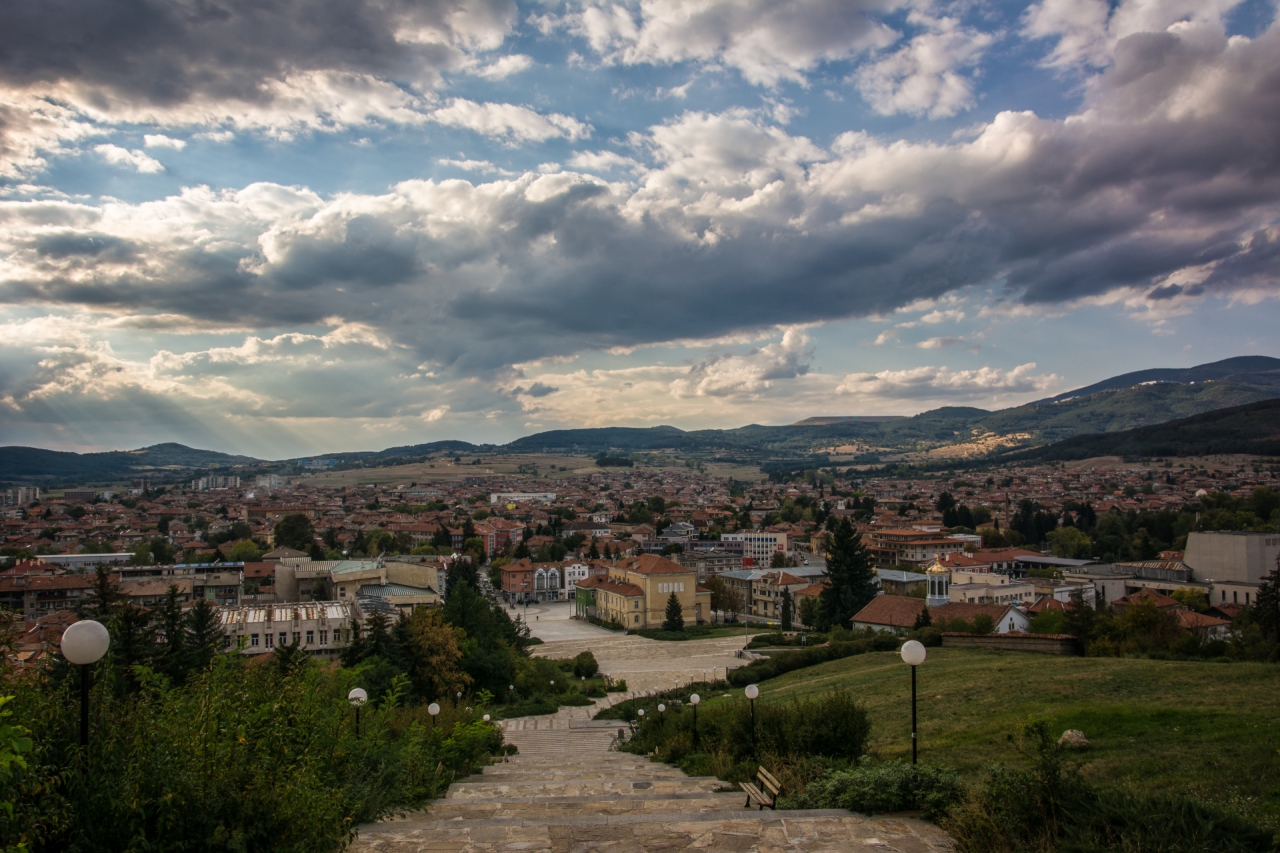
[{"x": 939, "y": 584}]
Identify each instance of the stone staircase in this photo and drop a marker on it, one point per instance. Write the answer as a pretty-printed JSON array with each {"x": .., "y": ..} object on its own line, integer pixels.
[{"x": 567, "y": 792}]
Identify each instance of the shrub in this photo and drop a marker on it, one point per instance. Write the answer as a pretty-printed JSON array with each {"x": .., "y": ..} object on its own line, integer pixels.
[
  {"x": 892, "y": 787},
  {"x": 242, "y": 756},
  {"x": 585, "y": 666},
  {"x": 1051, "y": 807},
  {"x": 785, "y": 662},
  {"x": 830, "y": 726}
]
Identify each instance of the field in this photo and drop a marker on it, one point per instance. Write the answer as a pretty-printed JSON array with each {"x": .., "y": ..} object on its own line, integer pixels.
[{"x": 1204, "y": 729}]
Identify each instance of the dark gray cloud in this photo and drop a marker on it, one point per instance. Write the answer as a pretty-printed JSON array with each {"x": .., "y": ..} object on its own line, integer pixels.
[
  {"x": 168, "y": 51},
  {"x": 736, "y": 225}
]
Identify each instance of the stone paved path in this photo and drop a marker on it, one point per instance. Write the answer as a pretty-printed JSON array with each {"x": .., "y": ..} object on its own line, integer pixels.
[{"x": 566, "y": 792}]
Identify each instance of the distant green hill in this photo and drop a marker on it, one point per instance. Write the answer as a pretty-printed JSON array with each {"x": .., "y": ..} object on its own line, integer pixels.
[
  {"x": 1253, "y": 429},
  {"x": 1112, "y": 407},
  {"x": 33, "y": 463},
  {"x": 1259, "y": 371}
]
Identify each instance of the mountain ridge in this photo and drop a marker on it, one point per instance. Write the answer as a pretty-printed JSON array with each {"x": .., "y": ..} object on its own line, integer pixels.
[{"x": 1111, "y": 406}]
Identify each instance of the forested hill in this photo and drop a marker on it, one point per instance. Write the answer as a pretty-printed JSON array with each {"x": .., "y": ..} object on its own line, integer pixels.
[
  {"x": 1259, "y": 371},
  {"x": 111, "y": 465},
  {"x": 1252, "y": 429}
]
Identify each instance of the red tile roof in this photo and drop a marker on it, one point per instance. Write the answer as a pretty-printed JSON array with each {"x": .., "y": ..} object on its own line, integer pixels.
[
  {"x": 652, "y": 564},
  {"x": 896, "y": 611}
]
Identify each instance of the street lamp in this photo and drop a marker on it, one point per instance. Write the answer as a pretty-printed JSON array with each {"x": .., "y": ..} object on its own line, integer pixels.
[
  {"x": 357, "y": 697},
  {"x": 662, "y": 714},
  {"x": 752, "y": 691},
  {"x": 486, "y": 718},
  {"x": 913, "y": 653},
  {"x": 694, "y": 700},
  {"x": 433, "y": 709},
  {"x": 83, "y": 644},
  {"x": 457, "y": 698}
]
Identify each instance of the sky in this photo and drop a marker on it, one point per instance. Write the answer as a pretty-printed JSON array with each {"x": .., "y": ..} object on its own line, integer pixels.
[{"x": 286, "y": 227}]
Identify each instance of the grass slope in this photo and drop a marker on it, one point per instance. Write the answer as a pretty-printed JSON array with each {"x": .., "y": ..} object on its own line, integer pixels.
[{"x": 1204, "y": 729}]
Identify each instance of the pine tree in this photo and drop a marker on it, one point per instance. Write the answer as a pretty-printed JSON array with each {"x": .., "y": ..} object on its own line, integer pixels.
[
  {"x": 593, "y": 554},
  {"x": 788, "y": 609},
  {"x": 203, "y": 635},
  {"x": 674, "y": 620},
  {"x": 103, "y": 598},
  {"x": 1266, "y": 608},
  {"x": 924, "y": 619},
  {"x": 173, "y": 652},
  {"x": 850, "y": 579}
]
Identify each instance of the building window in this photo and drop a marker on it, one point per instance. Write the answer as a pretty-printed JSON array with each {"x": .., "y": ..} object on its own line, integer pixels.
[
  {"x": 637, "y": 620},
  {"x": 253, "y": 639},
  {"x": 284, "y": 638},
  {"x": 297, "y": 636},
  {"x": 324, "y": 638},
  {"x": 270, "y": 641},
  {"x": 311, "y": 637}
]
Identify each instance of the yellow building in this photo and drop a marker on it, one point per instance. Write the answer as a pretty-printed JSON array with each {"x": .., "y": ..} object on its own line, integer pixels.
[{"x": 635, "y": 592}]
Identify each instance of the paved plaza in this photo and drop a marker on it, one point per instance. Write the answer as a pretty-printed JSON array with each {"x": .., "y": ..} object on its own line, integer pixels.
[{"x": 644, "y": 664}]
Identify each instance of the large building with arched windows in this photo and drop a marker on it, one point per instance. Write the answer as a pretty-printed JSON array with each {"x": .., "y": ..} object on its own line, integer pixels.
[{"x": 635, "y": 593}]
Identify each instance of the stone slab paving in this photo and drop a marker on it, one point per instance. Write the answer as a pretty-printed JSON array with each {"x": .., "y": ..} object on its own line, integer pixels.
[
  {"x": 567, "y": 792},
  {"x": 644, "y": 664}
]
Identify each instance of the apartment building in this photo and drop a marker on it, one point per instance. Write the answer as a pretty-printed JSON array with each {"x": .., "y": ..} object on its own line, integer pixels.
[{"x": 321, "y": 628}]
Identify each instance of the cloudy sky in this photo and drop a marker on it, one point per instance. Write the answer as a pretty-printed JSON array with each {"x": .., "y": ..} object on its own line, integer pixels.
[{"x": 281, "y": 227}]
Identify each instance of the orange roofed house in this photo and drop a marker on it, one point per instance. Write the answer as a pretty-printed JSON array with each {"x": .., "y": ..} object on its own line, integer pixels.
[{"x": 635, "y": 592}]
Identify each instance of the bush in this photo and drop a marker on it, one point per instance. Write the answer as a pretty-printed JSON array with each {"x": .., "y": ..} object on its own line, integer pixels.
[
  {"x": 785, "y": 662},
  {"x": 1051, "y": 807},
  {"x": 585, "y": 666},
  {"x": 892, "y": 787},
  {"x": 831, "y": 726},
  {"x": 243, "y": 756}
]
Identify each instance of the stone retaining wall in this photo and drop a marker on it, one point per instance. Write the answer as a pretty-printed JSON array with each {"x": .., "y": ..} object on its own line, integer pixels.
[{"x": 1048, "y": 644}]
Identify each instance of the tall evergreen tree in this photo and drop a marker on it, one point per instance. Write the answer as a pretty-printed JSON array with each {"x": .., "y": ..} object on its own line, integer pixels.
[
  {"x": 172, "y": 654},
  {"x": 850, "y": 578},
  {"x": 1266, "y": 608},
  {"x": 924, "y": 619},
  {"x": 788, "y": 609},
  {"x": 203, "y": 635},
  {"x": 674, "y": 620},
  {"x": 103, "y": 598}
]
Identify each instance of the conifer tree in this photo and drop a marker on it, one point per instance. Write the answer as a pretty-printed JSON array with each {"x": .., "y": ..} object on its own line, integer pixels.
[
  {"x": 923, "y": 620},
  {"x": 850, "y": 579},
  {"x": 788, "y": 609},
  {"x": 1266, "y": 608},
  {"x": 203, "y": 635},
  {"x": 674, "y": 620}
]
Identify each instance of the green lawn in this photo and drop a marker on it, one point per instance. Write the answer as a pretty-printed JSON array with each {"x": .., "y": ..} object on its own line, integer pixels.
[{"x": 1210, "y": 730}]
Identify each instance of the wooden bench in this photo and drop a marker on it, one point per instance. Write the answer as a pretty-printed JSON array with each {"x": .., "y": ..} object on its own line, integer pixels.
[{"x": 768, "y": 783}]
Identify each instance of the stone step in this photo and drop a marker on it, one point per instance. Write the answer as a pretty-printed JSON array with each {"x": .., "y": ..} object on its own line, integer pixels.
[
  {"x": 485, "y": 790},
  {"x": 571, "y": 775},
  {"x": 513, "y": 807},
  {"x": 818, "y": 831}
]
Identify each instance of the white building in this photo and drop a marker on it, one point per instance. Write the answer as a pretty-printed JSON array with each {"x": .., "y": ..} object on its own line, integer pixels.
[
  {"x": 1233, "y": 563},
  {"x": 758, "y": 545},
  {"x": 521, "y": 497},
  {"x": 319, "y": 627}
]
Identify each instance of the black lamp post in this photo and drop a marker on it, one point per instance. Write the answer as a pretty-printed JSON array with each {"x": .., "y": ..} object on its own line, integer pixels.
[
  {"x": 433, "y": 709},
  {"x": 357, "y": 697},
  {"x": 913, "y": 654},
  {"x": 83, "y": 644},
  {"x": 694, "y": 700},
  {"x": 752, "y": 691}
]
